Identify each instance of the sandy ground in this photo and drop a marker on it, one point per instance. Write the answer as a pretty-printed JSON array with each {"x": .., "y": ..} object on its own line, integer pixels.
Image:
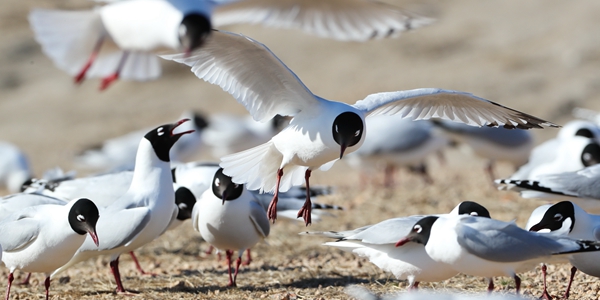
[{"x": 537, "y": 56}]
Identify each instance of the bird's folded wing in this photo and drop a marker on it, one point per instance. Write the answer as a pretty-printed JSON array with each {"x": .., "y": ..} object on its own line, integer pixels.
[
  {"x": 251, "y": 73},
  {"x": 259, "y": 219},
  {"x": 499, "y": 241},
  {"x": 16, "y": 234},
  {"x": 345, "y": 20},
  {"x": 118, "y": 228},
  {"x": 456, "y": 106}
]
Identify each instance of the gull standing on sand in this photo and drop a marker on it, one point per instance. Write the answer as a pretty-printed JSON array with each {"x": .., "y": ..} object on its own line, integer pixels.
[
  {"x": 44, "y": 237},
  {"x": 145, "y": 211}
]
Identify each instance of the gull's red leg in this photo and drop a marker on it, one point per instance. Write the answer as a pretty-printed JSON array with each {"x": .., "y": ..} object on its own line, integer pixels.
[
  {"x": 272, "y": 211},
  {"x": 81, "y": 75},
  {"x": 106, "y": 81},
  {"x": 229, "y": 254},
  {"x": 304, "y": 212}
]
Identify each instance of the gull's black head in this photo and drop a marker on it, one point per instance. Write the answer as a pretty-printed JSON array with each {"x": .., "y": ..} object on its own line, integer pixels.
[
  {"x": 590, "y": 154},
  {"x": 278, "y": 122},
  {"x": 185, "y": 201},
  {"x": 473, "y": 209},
  {"x": 83, "y": 217},
  {"x": 164, "y": 137},
  {"x": 420, "y": 232},
  {"x": 347, "y": 130},
  {"x": 585, "y": 132},
  {"x": 200, "y": 121},
  {"x": 224, "y": 188},
  {"x": 555, "y": 217},
  {"x": 193, "y": 31}
]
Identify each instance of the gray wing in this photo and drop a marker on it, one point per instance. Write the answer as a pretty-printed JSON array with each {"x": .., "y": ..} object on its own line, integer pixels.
[
  {"x": 19, "y": 230},
  {"x": 259, "y": 219},
  {"x": 16, "y": 202},
  {"x": 387, "y": 232},
  {"x": 502, "y": 241},
  {"x": 455, "y": 106},
  {"x": 345, "y": 20},
  {"x": 581, "y": 184},
  {"x": 117, "y": 228}
]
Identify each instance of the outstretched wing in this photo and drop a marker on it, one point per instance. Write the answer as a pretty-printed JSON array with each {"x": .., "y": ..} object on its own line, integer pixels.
[
  {"x": 456, "y": 106},
  {"x": 345, "y": 20},
  {"x": 251, "y": 73}
]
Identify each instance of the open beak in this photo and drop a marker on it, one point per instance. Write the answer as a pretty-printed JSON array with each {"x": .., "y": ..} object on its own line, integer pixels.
[
  {"x": 536, "y": 228},
  {"x": 403, "y": 241},
  {"x": 177, "y": 125}
]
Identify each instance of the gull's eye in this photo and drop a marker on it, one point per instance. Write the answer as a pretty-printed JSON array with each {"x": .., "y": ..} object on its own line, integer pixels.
[
  {"x": 80, "y": 218},
  {"x": 558, "y": 217},
  {"x": 217, "y": 182},
  {"x": 417, "y": 228},
  {"x": 236, "y": 186},
  {"x": 357, "y": 133},
  {"x": 182, "y": 206},
  {"x": 160, "y": 131},
  {"x": 336, "y": 128},
  {"x": 474, "y": 213}
]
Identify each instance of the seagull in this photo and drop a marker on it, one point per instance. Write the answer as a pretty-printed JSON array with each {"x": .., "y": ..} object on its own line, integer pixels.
[
  {"x": 377, "y": 243},
  {"x": 488, "y": 248},
  {"x": 578, "y": 186},
  {"x": 321, "y": 131},
  {"x": 228, "y": 217},
  {"x": 535, "y": 217},
  {"x": 145, "y": 211},
  {"x": 227, "y": 134},
  {"x": 547, "y": 151},
  {"x": 493, "y": 144},
  {"x": 107, "y": 188},
  {"x": 44, "y": 237},
  {"x": 118, "y": 154},
  {"x": 120, "y": 39},
  {"x": 14, "y": 167},
  {"x": 392, "y": 141},
  {"x": 568, "y": 219}
]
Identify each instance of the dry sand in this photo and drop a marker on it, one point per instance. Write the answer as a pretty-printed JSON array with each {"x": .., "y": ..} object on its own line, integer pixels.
[{"x": 538, "y": 56}]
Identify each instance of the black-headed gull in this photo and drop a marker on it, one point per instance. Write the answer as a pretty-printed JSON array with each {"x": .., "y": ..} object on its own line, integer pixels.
[
  {"x": 488, "y": 248},
  {"x": 118, "y": 154},
  {"x": 321, "y": 131},
  {"x": 229, "y": 218},
  {"x": 567, "y": 219},
  {"x": 377, "y": 243},
  {"x": 547, "y": 152},
  {"x": 580, "y": 187},
  {"x": 493, "y": 144},
  {"x": 14, "y": 167},
  {"x": 44, "y": 237},
  {"x": 145, "y": 211},
  {"x": 118, "y": 40},
  {"x": 394, "y": 141}
]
